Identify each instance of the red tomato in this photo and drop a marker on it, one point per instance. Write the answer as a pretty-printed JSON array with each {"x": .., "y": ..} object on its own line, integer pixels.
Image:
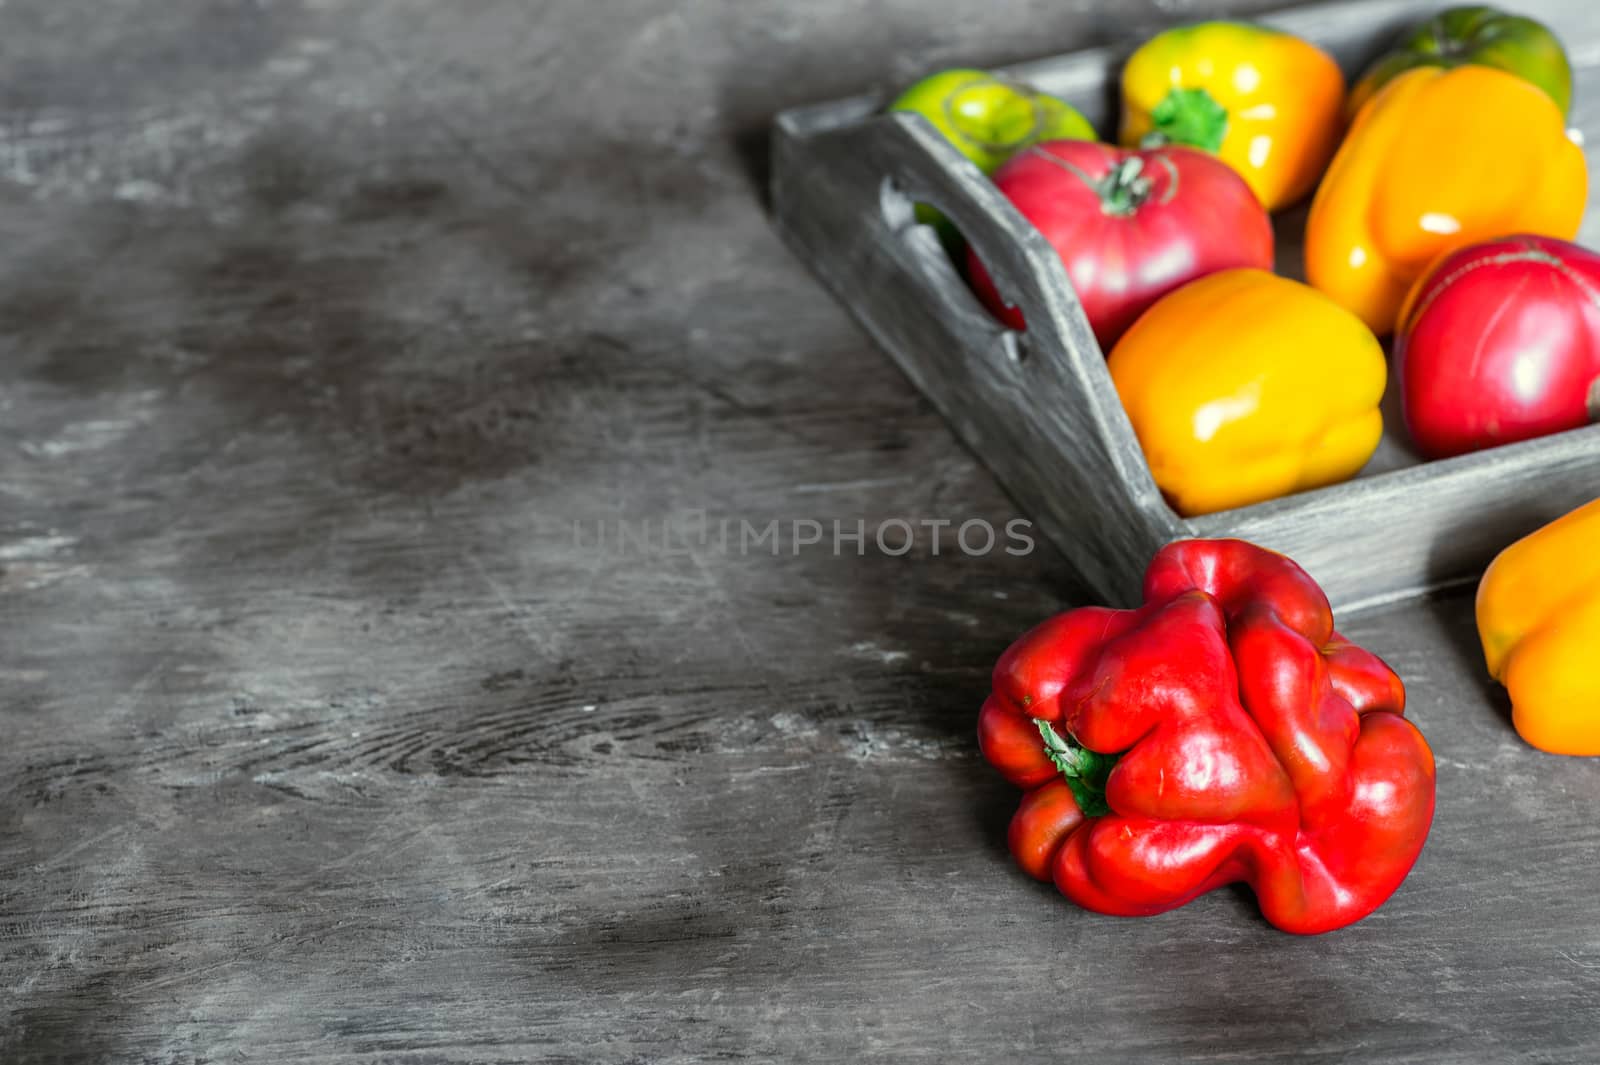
[
  {"x": 1500, "y": 341},
  {"x": 1130, "y": 226}
]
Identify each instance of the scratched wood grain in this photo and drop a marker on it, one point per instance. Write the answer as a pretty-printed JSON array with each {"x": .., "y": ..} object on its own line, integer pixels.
[{"x": 335, "y": 334}]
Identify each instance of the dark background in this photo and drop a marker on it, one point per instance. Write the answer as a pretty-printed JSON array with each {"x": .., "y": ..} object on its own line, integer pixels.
[{"x": 322, "y": 740}]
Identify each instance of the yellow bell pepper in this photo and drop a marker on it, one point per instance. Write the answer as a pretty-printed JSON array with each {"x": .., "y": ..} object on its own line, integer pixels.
[
  {"x": 1265, "y": 102},
  {"x": 1539, "y": 621},
  {"x": 1438, "y": 160},
  {"x": 1243, "y": 386}
]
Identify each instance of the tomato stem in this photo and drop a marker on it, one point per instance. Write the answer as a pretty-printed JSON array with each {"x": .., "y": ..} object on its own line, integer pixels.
[{"x": 1125, "y": 188}]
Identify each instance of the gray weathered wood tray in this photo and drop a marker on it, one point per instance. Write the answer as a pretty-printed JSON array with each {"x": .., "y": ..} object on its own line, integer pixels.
[{"x": 1039, "y": 408}]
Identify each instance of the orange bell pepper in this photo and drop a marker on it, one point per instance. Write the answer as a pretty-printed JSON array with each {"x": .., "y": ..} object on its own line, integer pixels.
[
  {"x": 1244, "y": 385},
  {"x": 1539, "y": 621},
  {"x": 1265, "y": 102},
  {"x": 1438, "y": 160}
]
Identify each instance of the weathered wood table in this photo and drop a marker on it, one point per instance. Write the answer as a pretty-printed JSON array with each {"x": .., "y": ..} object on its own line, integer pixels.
[{"x": 338, "y": 723}]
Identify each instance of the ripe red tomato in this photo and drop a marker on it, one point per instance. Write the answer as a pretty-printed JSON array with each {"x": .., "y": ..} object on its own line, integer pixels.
[
  {"x": 1500, "y": 341},
  {"x": 1130, "y": 226}
]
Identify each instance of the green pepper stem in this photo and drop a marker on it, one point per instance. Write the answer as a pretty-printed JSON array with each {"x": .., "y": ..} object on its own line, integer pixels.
[
  {"x": 1188, "y": 116},
  {"x": 1086, "y": 772}
]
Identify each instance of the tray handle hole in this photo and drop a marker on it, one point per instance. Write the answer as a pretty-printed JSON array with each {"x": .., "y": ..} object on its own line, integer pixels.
[{"x": 942, "y": 249}]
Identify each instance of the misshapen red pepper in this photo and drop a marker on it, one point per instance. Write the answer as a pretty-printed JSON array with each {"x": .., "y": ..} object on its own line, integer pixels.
[{"x": 1222, "y": 732}]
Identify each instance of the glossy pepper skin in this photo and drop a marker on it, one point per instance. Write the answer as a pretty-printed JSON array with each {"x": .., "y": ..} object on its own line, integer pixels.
[
  {"x": 1438, "y": 160},
  {"x": 1499, "y": 342},
  {"x": 1233, "y": 735},
  {"x": 1539, "y": 620},
  {"x": 1265, "y": 102},
  {"x": 1129, "y": 226},
  {"x": 1244, "y": 386},
  {"x": 1476, "y": 34}
]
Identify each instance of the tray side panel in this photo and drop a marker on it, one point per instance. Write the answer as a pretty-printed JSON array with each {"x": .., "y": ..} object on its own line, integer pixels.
[
  {"x": 1028, "y": 404},
  {"x": 1379, "y": 539}
]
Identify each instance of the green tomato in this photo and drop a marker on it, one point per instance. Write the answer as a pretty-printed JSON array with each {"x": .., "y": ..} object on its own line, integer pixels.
[
  {"x": 990, "y": 119},
  {"x": 1482, "y": 36}
]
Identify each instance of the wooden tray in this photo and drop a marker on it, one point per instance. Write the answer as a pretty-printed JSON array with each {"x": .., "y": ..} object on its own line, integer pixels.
[{"x": 1039, "y": 408}]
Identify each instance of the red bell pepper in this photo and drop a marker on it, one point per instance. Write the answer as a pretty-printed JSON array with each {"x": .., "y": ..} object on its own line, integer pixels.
[{"x": 1222, "y": 732}]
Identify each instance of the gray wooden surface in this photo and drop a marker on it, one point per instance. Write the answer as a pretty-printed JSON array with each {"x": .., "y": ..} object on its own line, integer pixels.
[{"x": 322, "y": 740}]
